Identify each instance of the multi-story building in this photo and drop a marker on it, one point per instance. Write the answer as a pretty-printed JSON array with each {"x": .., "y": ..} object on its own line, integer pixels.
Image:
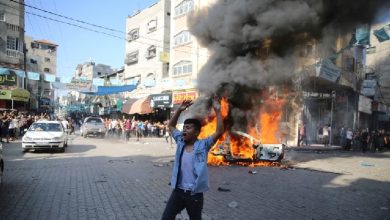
[
  {"x": 41, "y": 58},
  {"x": 187, "y": 56},
  {"x": 90, "y": 70},
  {"x": 147, "y": 43},
  {"x": 377, "y": 74},
  {"x": 12, "y": 54},
  {"x": 11, "y": 34}
]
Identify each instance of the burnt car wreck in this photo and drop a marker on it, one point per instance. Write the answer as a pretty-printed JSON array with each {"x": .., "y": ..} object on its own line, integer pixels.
[{"x": 258, "y": 152}]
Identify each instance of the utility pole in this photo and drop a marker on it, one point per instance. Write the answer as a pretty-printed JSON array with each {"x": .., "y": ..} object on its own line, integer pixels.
[{"x": 331, "y": 117}]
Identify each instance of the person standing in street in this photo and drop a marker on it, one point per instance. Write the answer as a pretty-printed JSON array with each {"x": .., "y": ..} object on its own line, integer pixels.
[
  {"x": 190, "y": 175},
  {"x": 365, "y": 138}
]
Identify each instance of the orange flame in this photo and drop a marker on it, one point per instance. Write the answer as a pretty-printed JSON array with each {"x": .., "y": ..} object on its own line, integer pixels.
[{"x": 240, "y": 147}]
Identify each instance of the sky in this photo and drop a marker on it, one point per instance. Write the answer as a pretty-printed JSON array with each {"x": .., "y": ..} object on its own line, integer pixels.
[{"x": 76, "y": 45}]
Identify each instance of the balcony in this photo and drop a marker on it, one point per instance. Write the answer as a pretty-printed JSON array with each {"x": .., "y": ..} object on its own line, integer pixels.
[{"x": 14, "y": 53}]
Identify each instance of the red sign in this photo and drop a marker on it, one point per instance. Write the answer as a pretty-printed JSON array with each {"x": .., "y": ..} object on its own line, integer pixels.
[{"x": 179, "y": 97}]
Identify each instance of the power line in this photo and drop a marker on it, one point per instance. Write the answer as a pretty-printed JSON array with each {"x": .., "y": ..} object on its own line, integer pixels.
[
  {"x": 74, "y": 25},
  {"x": 100, "y": 32},
  {"x": 84, "y": 22},
  {"x": 66, "y": 17}
]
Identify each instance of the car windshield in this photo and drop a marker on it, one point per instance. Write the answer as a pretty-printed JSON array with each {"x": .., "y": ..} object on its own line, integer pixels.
[
  {"x": 94, "y": 120},
  {"x": 45, "y": 127}
]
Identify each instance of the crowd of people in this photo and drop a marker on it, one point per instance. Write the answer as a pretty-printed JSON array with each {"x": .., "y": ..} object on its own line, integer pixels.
[
  {"x": 360, "y": 139},
  {"x": 127, "y": 128}
]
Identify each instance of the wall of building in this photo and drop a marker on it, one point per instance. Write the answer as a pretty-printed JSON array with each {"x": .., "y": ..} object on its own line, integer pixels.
[
  {"x": 148, "y": 68},
  {"x": 12, "y": 26}
]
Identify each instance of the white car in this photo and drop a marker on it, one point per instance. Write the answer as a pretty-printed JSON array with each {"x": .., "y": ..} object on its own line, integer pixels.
[
  {"x": 45, "y": 135},
  {"x": 1, "y": 164}
]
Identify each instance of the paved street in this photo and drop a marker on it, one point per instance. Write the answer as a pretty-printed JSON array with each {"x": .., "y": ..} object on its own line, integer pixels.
[{"x": 112, "y": 179}]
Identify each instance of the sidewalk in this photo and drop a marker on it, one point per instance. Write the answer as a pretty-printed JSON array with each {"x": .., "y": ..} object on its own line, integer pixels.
[{"x": 315, "y": 147}]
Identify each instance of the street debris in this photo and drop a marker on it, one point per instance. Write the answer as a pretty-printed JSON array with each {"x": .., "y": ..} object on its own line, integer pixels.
[
  {"x": 233, "y": 204},
  {"x": 223, "y": 189},
  {"x": 252, "y": 171},
  {"x": 158, "y": 165},
  {"x": 384, "y": 208},
  {"x": 366, "y": 164},
  {"x": 287, "y": 167}
]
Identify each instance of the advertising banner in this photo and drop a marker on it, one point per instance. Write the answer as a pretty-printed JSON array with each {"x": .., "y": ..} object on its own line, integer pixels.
[{"x": 179, "y": 97}]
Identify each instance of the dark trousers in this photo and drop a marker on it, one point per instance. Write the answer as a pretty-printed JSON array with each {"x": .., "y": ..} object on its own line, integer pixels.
[{"x": 180, "y": 200}]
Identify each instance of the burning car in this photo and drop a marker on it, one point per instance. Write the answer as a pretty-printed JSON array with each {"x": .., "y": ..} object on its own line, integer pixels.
[{"x": 259, "y": 152}]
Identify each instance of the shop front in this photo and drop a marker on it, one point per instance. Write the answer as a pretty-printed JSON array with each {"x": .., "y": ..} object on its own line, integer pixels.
[
  {"x": 14, "y": 99},
  {"x": 162, "y": 104}
]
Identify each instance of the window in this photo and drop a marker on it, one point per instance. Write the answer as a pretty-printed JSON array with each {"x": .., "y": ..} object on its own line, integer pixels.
[
  {"x": 34, "y": 45},
  {"x": 99, "y": 73},
  {"x": 46, "y": 70},
  {"x": 2, "y": 16},
  {"x": 133, "y": 34},
  {"x": 33, "y": 61},
  {"x": 182, "y": 68},
  {"x": 152, "y": 25},
  {"x": 151, "y": 52},
  {"x": 13, "y": 43},
  {"x": 184, "y": 7},
  {"x": 132, "y": 58},
  {"x": 47, "y": 59},
  {"x": 182, "y": 38}
]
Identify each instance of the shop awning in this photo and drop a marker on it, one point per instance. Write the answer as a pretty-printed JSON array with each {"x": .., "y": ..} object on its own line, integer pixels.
[
  {"x": 141, "y": 106},
  {"x": 16, "y": 95},
  {"x": 127, "y": 105}
]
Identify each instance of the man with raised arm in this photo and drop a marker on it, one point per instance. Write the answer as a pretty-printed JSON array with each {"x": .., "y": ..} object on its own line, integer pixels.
[{"x": 190, "y": 175}]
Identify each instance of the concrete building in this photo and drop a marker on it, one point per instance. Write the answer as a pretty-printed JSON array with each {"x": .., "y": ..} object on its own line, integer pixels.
[
  {"x": 147, "y": 47},
  {"x": 90, "y": 70},
  {"x": 187, "y": 56},
  {"x": 377, "y": 74},
  {"x": 11, "y": 34},
  {"x": 41, "y": 57}
]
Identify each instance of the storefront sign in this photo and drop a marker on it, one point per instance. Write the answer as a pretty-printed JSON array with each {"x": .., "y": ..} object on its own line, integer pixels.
[
  {"x": 81, "y": 85},
  {"x": 365, "y": 104},
  {"x": 179, "y": 97},
  {"x": 8, "y": 80},
  {"x": 327, "y": 70},
  {"x": 161, "y": 100},
  {"x": 17, "y": 95}
]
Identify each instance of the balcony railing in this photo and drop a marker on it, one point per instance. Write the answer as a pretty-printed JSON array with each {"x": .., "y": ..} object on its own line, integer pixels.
[{"x": 14, "y": 53}]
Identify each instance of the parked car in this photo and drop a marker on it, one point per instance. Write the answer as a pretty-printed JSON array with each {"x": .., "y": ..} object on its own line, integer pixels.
[
  {"x": 93, "y": 126},
  {"x": 45, "y": 135},
  {"x": 1, "y": 164}
]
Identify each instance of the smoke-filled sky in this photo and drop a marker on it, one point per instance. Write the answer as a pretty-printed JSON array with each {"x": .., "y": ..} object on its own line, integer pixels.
[{"x": 234, "y": 30}]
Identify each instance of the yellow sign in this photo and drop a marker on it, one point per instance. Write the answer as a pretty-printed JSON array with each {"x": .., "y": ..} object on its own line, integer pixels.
[
  {"x": 20, "y": 95},
  {"x": 5, "y": 94},
  {"x": 16, "y": 94},
  {"x": 164, "y": 57}
]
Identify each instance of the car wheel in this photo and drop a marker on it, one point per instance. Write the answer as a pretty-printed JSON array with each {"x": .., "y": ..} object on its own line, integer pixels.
[
  {"x": 1, "y": 171},
  {"x": 24, "y": 150}
]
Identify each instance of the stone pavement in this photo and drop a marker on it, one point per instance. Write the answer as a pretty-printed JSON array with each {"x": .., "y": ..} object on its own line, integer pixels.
[{"x": 113, "y": 179}]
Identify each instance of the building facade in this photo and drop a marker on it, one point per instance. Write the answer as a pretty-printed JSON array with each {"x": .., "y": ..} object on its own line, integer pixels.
[
  {"x": 11, "y": 34},
  {"x": 187, "y": 56},
  {"x": 90, "y": 70},
  {"x": 41, "y": 58},
  {"x": 147, "y": 48}
]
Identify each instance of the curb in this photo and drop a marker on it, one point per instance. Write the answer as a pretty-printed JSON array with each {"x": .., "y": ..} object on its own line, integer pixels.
[{"x": 315, "y": 148}]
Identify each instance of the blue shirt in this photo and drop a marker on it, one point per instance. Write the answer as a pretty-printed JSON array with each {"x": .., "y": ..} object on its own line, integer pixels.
[{"x": 200, "y": 151}]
